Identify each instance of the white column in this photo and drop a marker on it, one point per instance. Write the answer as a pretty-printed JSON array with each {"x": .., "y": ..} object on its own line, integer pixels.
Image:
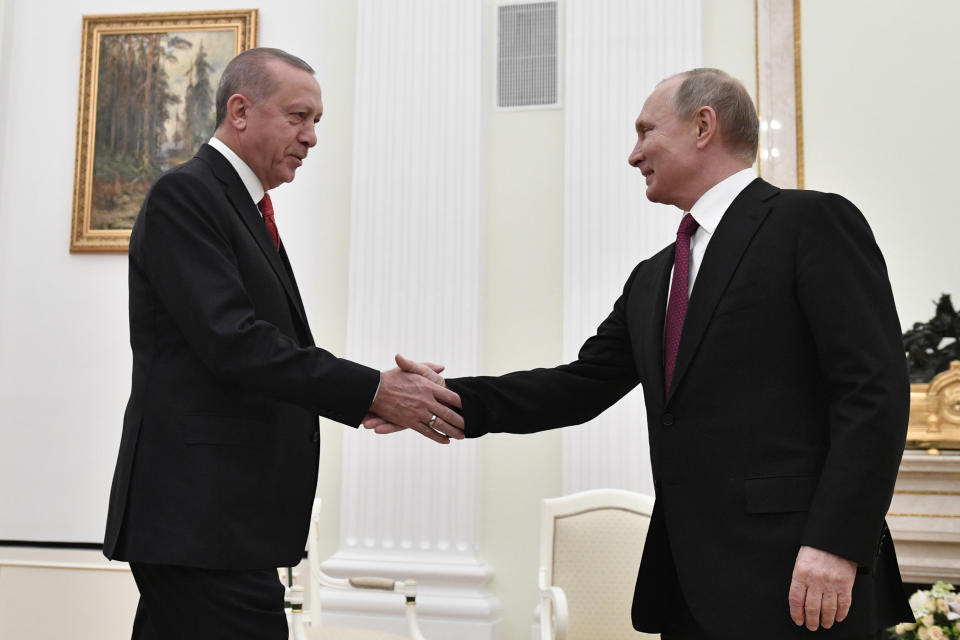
[
  {"x": 409, "y": 505},
  {"x": 616, "y": 52}
]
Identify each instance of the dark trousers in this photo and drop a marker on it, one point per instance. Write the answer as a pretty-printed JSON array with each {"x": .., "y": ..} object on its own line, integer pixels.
[{"x": 187, "y": 603}]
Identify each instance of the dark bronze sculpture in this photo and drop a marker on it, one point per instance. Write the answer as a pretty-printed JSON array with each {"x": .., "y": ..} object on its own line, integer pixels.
[{"x": 925, "y": 355}]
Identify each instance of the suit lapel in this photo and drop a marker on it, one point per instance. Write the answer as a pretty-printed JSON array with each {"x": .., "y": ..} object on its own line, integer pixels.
[
  {"x": 727, "y": 246},
  {"x": 308, "y": 337},
  {"x": 652, "y": 283},
  {"x": 240, "y": 199}
]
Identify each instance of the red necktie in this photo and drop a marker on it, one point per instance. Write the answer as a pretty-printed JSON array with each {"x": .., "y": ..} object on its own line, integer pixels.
[
  {"x": 677, "y": 306},
  {"x": 266, "y": 208}
]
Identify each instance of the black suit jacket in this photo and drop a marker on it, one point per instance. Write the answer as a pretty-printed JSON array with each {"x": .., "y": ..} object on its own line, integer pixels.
[
  {"x": 784, "y": 425},
  {"x": 218, "y": 458}
]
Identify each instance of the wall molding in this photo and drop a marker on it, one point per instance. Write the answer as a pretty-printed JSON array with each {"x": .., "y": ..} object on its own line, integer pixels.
[{"x": 79, "y": 566}]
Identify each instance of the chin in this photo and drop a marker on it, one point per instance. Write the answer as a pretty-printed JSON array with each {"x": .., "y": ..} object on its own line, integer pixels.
[{"x": 279, "y": 180}]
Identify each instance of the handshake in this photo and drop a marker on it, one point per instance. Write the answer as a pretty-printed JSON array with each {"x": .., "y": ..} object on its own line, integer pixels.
[{"x": 414, "y": 396}]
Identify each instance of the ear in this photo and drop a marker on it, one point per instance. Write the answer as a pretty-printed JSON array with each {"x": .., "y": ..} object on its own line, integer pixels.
[
  {"x": 237, "y": 109},
  {"x": 706, "y": 120}
]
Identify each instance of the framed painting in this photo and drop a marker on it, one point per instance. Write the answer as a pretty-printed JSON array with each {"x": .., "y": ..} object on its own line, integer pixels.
[{"x": 147, "y": 94}]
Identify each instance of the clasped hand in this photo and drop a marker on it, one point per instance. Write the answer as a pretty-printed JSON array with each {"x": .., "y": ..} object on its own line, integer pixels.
[{"x": 409, "y": 397}]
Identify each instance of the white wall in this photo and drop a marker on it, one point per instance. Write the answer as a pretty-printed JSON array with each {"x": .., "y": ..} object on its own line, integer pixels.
[
  {"x": 50, "y": 594},
  {"x": 64, "y": 354},
  {"x": 335, "y": 70},
  {"x": 522, "y": 307},
  {"x": 64, "y": 364},
  {"x": 879, "y": 96},
  {"x": 64, "y": 369},
  {"x": 728, "y": 39}
]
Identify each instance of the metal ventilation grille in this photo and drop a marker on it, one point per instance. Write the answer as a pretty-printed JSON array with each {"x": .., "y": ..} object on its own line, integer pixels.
[{"x": 527, "y": 55}]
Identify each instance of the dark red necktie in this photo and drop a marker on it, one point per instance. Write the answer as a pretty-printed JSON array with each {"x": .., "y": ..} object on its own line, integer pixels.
[
  {"x": 266, "y": 208},
  {"x": 677, "y": 306}
]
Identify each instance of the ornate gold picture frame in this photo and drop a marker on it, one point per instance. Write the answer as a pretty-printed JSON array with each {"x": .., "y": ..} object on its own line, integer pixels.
[{"x": 147, "y": 93}]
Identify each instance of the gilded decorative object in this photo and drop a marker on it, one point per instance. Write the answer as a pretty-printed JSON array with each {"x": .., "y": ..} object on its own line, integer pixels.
[
  {"x": 146, "y": 103},
  {"x": 935, "y": 411}
]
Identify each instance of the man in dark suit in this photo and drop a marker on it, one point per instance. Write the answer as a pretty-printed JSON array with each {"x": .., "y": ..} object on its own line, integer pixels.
[
  {"x": 218, "y": 459},
  {"x": 769, "y": 350}
]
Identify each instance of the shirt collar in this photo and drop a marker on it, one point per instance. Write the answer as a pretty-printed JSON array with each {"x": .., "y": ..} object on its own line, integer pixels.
[
  {"x": 249, "y": 178},
  {"x": 709, "y": 209}
]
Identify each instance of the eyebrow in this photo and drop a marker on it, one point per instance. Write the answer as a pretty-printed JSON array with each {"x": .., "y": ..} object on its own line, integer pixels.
[
  {"x": 299, "y": 104},
  {"x": 642, "y": 124}
]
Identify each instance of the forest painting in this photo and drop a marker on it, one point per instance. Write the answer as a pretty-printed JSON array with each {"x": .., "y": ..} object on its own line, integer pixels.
[
  {"x": 155, "y": 106},
  {"x": 151, "y": 105}
]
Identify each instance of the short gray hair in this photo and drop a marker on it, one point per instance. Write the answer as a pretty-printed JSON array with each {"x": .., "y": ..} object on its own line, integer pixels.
[
  {"x": 248, "y": 74},
  {"x": 736, "y": 115}
]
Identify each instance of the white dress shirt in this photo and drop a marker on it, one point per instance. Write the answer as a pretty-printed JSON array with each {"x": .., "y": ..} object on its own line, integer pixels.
[
  {"x": 249, "y": 178},
  {"x": 708, "y": 211}
]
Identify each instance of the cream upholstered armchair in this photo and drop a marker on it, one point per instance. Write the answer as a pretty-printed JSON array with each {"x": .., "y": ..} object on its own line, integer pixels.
[
  {"x": 590, "y": 548},
  {"x": 406, "y": 591}
]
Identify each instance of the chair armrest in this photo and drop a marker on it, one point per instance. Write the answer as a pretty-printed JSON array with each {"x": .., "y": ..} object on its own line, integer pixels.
[
  {"x": 385, "y": 584},
  {"x": 553, "y": 610},
  {"x": 406, "y": 587}
]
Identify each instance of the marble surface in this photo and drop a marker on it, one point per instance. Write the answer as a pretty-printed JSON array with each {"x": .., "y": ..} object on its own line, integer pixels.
[
  {"x": 924, "y": 516},
  {"x": 778, "y": 93}
]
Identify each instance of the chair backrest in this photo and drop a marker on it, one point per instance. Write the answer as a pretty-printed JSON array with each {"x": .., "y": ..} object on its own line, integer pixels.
[{"x": 590, "y": 546}]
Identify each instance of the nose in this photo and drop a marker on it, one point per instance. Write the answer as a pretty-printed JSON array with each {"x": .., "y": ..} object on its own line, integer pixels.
[
  {"x": 636, "y": 156},
  {"x": 308, "y": 135}
]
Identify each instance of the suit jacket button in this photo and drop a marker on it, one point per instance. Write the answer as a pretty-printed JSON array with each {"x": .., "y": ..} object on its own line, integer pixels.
[
  {"x": 316, "y": 437},
  {"x": 666, "y": 419}
]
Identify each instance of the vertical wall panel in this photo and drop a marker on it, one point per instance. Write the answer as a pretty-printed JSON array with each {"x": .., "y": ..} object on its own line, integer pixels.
[
  {"x": 409, "y": 505},
  {"x": 616, "y": 52}
]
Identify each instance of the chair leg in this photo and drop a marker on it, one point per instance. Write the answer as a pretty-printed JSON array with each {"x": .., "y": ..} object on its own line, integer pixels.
[
  {"x": 412, "y": 626},
  {"x": 294, "y": 599}
]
